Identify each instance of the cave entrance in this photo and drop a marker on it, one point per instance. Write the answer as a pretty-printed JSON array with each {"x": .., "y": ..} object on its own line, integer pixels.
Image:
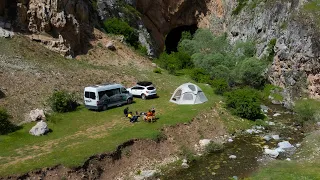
[
  {"x": 174, "y": 37},
  {"x": 8, "y": 8}
]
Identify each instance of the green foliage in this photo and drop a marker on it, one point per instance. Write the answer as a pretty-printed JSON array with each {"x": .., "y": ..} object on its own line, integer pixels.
[
  {"x": 307, "y": 110},
  {"x": 62, "y": 101},
  {"x": 245, "y": 49},
  {"x": 5, "y": 125},
  {"x": 117, "y": 26},
  {"x": 221, "y": 86},
  {"x": 174, "y": 61},
  {"x": 270, "y": 50},
  {"x": 157, "y": 70},
  {"x": 311, "y": 10},
  {"x": 213, "y": 147},
  {"x": 249, "y": 73},
  {"x": 200, "y": 75},
  {"x": 94, "y": 4},
  {"x": 142, "y": 50},
  {"x": 244, "y": 103},
  {"x": 271, "y": 90},
  {"x": 241, "y": 5}
]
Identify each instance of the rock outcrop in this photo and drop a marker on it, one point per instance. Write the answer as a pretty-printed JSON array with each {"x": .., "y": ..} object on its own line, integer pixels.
[
  {"x": 160, "y": 17},
  {"x": 285, "y": 29},
  {"x": 124, "y": 9},
  {"x": 62, "y": 26}
]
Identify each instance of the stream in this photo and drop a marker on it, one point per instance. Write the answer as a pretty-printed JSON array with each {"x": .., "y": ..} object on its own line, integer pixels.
[{"x": 247, "y": 149}]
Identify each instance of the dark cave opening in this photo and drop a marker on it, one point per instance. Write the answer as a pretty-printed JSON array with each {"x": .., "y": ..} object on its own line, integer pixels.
[
  {"x": 174, "y": 37},
  {"x": 8, "y": 8}
]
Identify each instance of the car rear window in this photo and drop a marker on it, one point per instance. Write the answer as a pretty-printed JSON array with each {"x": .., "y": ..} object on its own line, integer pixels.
[
  {"x": 150, "y": 88},
  {"x": 90, "y": 95}
]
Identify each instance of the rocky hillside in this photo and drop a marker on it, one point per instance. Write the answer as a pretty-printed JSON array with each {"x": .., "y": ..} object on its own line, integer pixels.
[{"x": 287, "y": 31}]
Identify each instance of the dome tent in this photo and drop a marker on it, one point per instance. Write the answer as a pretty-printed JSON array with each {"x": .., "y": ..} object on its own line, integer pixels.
[{"x": 188, "y": 93}]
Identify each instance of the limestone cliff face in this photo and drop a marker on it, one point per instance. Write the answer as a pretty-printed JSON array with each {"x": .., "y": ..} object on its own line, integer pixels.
[
  {"x": 296, "y": 64},
  {"x": 63, "y": 26},
  {"x": 161, "y": 16}
]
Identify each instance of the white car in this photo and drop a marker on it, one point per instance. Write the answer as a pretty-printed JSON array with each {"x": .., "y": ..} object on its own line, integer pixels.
[{"x": 143, "y": 90}]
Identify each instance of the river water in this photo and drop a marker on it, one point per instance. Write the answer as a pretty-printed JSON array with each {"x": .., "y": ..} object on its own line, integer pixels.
[{"x": 248, "y": 149}]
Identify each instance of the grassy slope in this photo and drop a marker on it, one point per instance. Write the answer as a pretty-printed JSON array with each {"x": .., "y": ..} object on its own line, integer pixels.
[
  {"x": 304, "y": 166},
  {"x": 78, "y": 135}
]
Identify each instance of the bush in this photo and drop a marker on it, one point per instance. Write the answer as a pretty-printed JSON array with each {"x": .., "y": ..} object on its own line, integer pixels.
[
  {"x": 174, "y": 61},
  {"x": 221, "y": 86},
  {"x": 307, "y": 110},
  {"x": 142, "y": 50},
  {"x": 250, "y": 73},
  {"x": 244, "y": 103},
  {"x": 5, "y": 125},
  {"x": 116, "y": 26},
  {"x": 157, "y": 70},
  {"x": 213, "y": 147},
  {"x": 62, "y": 101},
  {"x": 200, "y": 75}
]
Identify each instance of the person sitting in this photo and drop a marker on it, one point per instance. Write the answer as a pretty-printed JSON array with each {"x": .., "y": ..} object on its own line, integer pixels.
[
  {"x": 150, "y": 117},
  {"x": 132, "y": 118},
  {"x": 125, "y": 111}
]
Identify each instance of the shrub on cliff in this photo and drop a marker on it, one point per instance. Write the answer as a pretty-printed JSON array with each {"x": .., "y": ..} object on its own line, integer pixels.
[
  {"x": 62, "y": 101},
  {"x": 244, "y": 103},
  {"x": 116, "y": 26}
]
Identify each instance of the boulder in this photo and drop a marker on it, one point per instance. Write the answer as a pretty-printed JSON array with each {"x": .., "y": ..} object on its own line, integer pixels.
[
  {"x": 111, "y": 46},
  {"x": 272, "y": 153},
  {"x": 232, "y": 157},
  {"x": 37, "y": 115},
  {"x": 285, "y": 145},
  {"x": 39, "y": 129},
  {"x": 275, "y": 137},
  {"x": 204, "y": 142},
  {"x": 184, "y": 165}
]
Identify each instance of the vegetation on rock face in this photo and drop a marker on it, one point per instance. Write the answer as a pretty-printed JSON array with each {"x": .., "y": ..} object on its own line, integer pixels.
[
  {"x": 241, "y": 5},
  {"x": 312, "y": 11},
  {"x": 116, "y": 26},
  {"x": 62, "y": 101}
]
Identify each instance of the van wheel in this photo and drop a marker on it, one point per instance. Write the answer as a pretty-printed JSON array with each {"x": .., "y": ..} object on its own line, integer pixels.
[
  {"x": 129, "y": 101},
  {"x": 143, "y": 96},
  {"x": 104, "y": 107}
]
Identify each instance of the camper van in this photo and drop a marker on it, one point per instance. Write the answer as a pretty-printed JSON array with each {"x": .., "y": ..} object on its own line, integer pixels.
[{"x": 100, "y": 97}]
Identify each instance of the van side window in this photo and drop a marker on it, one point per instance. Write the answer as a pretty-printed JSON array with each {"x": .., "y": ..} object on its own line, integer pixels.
[
  {"x": 109, "y": 93},
  {"x": 101, "y": 93},
  {"x": 90, "y": 95},
  {"x": 116, "y": 91}
]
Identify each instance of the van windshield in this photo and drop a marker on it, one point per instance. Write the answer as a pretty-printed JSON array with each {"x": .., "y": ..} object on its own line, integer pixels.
[{"x": 90, "y": 95}]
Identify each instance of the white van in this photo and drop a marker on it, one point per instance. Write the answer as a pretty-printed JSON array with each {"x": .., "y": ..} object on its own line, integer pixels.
[{"x": 100, "y": 97}]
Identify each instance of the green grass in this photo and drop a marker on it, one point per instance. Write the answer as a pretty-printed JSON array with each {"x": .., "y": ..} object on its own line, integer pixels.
[{"x": 70, "y": 143}]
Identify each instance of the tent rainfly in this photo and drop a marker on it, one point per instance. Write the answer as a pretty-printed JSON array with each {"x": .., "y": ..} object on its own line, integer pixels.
[{"x": 188, "y": 93}]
